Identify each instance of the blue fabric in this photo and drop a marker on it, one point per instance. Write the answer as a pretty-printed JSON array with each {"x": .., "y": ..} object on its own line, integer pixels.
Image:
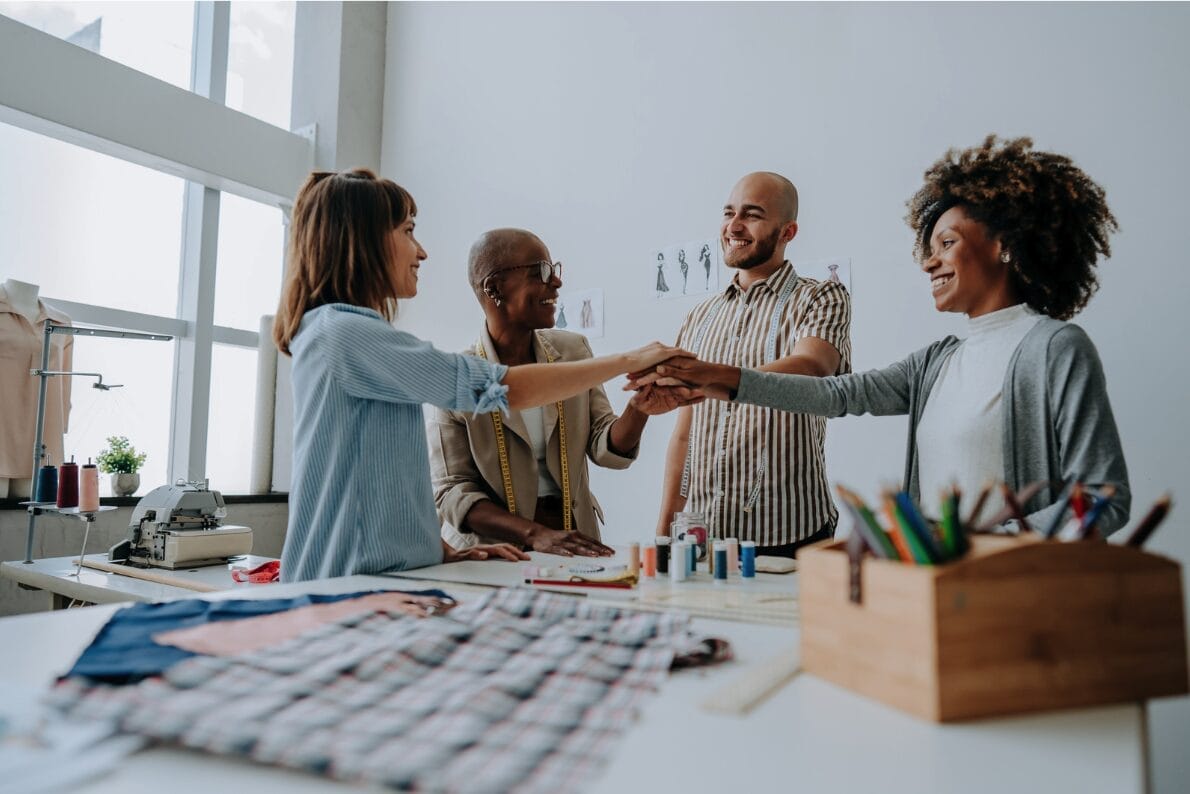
[
  {"x": 124, "y": 652},
  {"x": 360, "y": 499}
]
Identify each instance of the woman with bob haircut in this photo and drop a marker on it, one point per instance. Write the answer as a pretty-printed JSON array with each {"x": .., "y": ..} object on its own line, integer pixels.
[
  {"x": 1008, "y": 236},
  {"x": 361, "y": 499}
]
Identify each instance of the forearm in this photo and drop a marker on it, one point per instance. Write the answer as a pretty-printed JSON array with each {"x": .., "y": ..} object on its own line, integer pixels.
[
  {"x": 493, "y": 522},
  {"x": 531, "y": 385},
  {"x": 623, "y": 436}
]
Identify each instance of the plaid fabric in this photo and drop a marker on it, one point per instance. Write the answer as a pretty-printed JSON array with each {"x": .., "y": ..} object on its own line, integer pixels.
[{"x": 520, "y": 690}]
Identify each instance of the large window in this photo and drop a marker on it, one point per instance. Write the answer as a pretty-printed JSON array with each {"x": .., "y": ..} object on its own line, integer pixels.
[
  {"x": 87, "y": 227},
  {"x": 118, "y": 245},
  {"x": 154, "y": 38}
]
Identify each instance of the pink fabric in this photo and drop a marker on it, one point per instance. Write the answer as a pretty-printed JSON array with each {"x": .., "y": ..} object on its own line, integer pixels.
[
  {"x": 232, "y": 637},
  {"x": 261, "y": 574}
]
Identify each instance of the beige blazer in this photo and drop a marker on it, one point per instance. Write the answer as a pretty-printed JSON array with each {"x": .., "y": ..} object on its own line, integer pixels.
[{"x": 465, "y": 462}]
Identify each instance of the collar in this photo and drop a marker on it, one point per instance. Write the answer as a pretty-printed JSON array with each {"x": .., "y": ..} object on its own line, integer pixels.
[
  {"x": 775, "y": 281},
  {"x": 543, "y": 348},
  {"x": 44, "y": 312}
]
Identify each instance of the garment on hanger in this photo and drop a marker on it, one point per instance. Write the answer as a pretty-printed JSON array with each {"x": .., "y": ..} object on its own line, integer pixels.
[{"x": 20, "y": 351}]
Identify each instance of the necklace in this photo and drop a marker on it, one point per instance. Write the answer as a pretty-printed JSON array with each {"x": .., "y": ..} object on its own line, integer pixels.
[{"x": 506, "y": 469}]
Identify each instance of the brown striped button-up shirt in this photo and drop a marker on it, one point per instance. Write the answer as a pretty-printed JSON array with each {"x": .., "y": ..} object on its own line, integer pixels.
[{"x": 756, "y": 473}]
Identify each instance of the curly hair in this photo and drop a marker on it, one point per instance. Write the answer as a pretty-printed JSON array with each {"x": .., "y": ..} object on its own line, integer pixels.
[{"x": 1051, "y": 217}]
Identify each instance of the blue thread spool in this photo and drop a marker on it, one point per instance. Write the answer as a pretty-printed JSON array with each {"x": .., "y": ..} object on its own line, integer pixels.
[
  {"x": 720, "y": 561},
  {"x": 748, "y": 559},
  {"x": 47, "y": 484}
]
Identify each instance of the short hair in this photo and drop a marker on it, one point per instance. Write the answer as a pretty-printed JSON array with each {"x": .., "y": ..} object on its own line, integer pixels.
[
  {"x": 339, "y": 249},
  {"x": 1047, "y": 213},
  {"x": 492, "y": 251}
]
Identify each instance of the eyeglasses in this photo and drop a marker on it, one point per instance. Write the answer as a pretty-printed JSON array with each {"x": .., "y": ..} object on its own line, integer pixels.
[{"x": 547, "y": 270}]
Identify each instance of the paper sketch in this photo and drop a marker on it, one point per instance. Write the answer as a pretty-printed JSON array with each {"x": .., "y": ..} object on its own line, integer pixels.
[
  {"x": 694, "y": 265},
  {"x": 586, "y": 307}
]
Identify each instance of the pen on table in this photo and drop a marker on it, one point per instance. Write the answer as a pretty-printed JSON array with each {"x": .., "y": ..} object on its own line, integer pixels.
[
  {"x": 1149, "y": 523},
  {"x": 1087, "y": 528},
  {"x": 579, "y": 583}
]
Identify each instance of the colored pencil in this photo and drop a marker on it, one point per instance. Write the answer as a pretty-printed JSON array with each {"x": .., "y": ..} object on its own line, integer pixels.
[
  {"x": 1060, "y": 516},
  {"x": 980, "y": 501},
  {"x": 877, "y": 540},
  {"x": 952, "y": 532},
  {"x": 894, "y": 529},
  {"x": 1078, "y": 501},
  {"x": 1015, "y": 506},
  {"x": 1150, "y": 522},
  {"x": 918, "y": 526},
  {"x": 1102, "y": 502}
]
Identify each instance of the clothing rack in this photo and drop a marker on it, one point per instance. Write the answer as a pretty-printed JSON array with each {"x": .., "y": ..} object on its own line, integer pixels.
[{"x": 44, "y": 373}]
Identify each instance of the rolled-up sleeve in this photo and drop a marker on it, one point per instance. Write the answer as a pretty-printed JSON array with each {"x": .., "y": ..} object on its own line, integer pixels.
[{"x": 374, "y": 361}]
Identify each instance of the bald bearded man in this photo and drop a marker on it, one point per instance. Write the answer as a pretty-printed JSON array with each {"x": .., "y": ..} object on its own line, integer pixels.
[{"x": 522, "y": 477}]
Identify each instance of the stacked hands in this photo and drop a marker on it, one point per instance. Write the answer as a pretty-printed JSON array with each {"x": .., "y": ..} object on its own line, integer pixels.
[{"x": 682, "y": 380}]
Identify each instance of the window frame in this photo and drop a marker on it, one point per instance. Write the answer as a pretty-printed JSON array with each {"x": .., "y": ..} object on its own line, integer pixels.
[{"x": 71, "y": 94}]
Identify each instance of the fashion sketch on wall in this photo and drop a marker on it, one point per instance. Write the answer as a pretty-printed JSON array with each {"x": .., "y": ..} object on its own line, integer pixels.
[
  {"x": 694, "y": 265},
  {"x": 584, "y": 311}
]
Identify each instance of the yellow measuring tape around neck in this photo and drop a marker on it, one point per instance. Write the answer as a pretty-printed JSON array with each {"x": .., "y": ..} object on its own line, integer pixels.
[{"x": 506, "y": 470}]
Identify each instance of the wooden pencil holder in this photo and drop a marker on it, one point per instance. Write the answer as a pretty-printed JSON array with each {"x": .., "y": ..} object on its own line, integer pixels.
[{"x": 1017, "y": 625}]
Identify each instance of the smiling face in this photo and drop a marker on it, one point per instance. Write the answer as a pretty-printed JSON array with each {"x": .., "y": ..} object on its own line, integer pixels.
[
  {"x": 406, "y": 257},
  {"x": 964, "y": 267},
  {"x": 527, "y": 301},
  {"x": 756, "y": 224}
]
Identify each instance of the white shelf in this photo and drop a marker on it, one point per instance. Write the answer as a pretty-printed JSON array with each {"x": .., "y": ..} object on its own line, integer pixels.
[{"x": 51, "y": 507}]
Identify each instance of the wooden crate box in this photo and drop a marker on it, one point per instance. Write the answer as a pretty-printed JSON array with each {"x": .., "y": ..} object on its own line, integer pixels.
[{"x": 1018, "y": 625}]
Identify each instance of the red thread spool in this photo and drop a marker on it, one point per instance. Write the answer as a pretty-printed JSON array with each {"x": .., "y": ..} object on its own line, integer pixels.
[{"x": 68, "y": 484}]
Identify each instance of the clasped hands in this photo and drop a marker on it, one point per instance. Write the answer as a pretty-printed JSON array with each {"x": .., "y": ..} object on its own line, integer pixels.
[{"x": 679, "y": 381}]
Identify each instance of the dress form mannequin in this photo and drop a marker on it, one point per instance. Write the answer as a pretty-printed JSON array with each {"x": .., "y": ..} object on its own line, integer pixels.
[{"x": 21, "y": 319}]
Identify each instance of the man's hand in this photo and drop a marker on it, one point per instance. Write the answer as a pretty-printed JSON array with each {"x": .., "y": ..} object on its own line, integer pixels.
[
  {"x": 483, "y": 551},
  {"x": 567, "y": 544},
  {"x": 718, "y": 381},
  {"x": 653, "y": 400}
]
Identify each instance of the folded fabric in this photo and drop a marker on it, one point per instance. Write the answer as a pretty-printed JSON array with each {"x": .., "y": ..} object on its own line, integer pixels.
[
  {"x": 261, "y": 574},
  {"x": 518, "y": 691},
  {"x": 230, "y": 637},
  {"x": 124, "y": 651}
]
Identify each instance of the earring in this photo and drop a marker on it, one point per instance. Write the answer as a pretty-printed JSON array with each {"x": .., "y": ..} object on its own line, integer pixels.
[
  {"x": 497, "y": 301},
  {"x": 1005, "y": 257}
]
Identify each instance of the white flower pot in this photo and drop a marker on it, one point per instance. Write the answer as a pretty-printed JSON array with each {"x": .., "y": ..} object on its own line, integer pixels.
[{"x": 124, "y": 484}]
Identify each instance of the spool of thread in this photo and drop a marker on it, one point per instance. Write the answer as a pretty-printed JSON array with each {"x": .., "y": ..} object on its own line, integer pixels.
[
  {"x": 662, "y": 550},
  {"x": 711, "y": 557},
  {"x": 68, "y": 484},
  {"x": 733, "y": 555},
  {"x": 47, "y": 484},
  {"x": 691, "y": 558},
  {"x": 720, "y": 555},
  {"x": 748, "y": 559},
  {"x": 88, "y": 488},
  {"x": 677, "y": 572},
  {"x": 634, "y": 558},
  {"x": 650, "y": 565}
]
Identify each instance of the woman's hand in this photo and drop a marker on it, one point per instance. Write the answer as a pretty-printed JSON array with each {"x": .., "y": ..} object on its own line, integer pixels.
[
  {"x": 718, "y": 381},
  {"x": 653, "y": 353},
  {"x": 567, "y": 544},
  {"x": 653, "y": 400},
  {"x": 483, "y": 551}
]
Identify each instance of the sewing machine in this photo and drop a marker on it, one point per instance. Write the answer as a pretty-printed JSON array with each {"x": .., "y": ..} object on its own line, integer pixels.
[{"x": 178, "y": 526}]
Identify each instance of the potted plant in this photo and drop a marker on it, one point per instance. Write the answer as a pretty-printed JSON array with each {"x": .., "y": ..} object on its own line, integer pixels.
[{"x": 122, "y": 462}]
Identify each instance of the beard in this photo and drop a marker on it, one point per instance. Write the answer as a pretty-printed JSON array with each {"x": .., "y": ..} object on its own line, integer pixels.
[{"x": 763, "y": 250}]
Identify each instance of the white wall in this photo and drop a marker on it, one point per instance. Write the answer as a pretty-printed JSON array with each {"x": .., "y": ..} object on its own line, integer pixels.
[{"x": 614, "y": 129}]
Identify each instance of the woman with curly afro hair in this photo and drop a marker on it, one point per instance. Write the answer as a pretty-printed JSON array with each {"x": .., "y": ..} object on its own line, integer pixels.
[{"x": 1008, "y": 236}]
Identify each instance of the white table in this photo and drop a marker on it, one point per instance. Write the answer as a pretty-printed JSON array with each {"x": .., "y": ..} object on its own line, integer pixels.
[
  {"x": 64, "y": 583},
  {"x": 810, "y": 736}
]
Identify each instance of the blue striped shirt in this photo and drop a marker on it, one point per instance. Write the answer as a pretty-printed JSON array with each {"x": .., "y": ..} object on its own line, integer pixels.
[{"x": 361, "y": 500}]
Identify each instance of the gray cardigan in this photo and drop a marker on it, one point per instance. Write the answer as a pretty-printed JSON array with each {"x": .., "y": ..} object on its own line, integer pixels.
[{"x": 1058, "y": 423}]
